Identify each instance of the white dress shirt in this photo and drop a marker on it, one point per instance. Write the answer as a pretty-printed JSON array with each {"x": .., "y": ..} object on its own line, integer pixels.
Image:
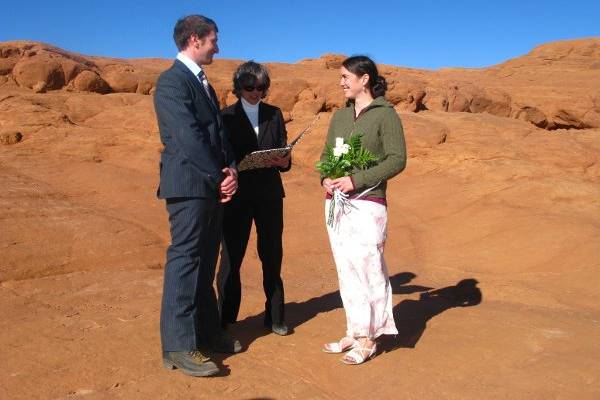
[
  {"x": 251, "y": 111},
  {"x": 196, "y": 70}
]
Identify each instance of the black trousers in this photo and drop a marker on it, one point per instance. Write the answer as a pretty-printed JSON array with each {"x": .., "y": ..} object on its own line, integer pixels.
[
  {"x": 267, "y": 214},
  {"x": 189, "y": 312}
]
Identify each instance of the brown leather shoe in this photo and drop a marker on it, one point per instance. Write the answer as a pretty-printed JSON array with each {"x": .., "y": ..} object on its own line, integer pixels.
[{"x": 192, "y": 363}]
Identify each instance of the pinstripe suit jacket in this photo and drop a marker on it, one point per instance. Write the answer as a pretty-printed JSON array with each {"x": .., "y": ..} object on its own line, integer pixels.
[{"x": 192, "y": 132}]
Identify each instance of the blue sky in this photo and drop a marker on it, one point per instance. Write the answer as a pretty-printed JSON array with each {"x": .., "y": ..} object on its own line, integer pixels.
[{"x": 421, "y": 34}]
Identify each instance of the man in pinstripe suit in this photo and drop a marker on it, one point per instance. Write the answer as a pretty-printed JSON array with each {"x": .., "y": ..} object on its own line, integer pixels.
[{"x": 197, "y": 174}]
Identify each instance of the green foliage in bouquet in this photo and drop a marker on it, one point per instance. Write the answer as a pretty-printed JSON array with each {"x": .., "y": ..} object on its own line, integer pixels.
[{"x": 342, "y": 160}]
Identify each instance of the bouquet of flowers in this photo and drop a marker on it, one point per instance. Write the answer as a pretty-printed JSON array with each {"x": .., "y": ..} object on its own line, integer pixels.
[
  {"x": 345, "y": 157},
  {"x": 342, "y": 160}
]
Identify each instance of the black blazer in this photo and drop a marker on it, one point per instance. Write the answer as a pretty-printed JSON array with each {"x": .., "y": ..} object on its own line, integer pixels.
[
  {"x": 192, "y": 132},
  {"x": 260, "y": 182}
]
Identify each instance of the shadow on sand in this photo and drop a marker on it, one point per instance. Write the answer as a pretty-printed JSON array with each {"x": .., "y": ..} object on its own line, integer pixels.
[{"x": 411, "y": 316}]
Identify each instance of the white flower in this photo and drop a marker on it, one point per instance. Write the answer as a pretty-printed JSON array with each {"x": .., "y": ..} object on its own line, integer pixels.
[{"x": 340, "y": 147}]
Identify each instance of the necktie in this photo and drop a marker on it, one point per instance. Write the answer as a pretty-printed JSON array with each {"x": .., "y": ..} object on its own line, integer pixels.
[{"x": 204, "y": 81}]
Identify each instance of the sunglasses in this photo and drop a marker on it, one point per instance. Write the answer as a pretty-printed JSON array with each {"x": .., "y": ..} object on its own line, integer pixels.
[{"x": 260, "y": 88}]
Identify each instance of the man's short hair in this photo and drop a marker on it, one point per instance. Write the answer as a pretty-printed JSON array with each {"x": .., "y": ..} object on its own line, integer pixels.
[{"x": 198, "y": 25}]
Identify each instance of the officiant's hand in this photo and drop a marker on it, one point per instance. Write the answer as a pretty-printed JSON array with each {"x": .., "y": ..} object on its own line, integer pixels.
[
  {"x": 281, "y": 162},
  {"x": 344, "y": 184}
]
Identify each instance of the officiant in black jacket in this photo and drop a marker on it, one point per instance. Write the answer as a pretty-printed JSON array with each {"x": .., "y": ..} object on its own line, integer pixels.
[{"x": 254, "y": 125}]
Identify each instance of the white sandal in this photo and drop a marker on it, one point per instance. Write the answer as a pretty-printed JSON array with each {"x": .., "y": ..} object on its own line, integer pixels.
[
  {"x": 357, "y": 355},
  {"x": 339, "y": 347}
]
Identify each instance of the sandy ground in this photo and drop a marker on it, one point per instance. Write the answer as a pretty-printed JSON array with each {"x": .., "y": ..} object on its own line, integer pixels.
[{"x": 500, "y": 201}]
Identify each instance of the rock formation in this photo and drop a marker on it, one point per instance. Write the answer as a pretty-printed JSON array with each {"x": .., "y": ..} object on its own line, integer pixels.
[{"x": 501, "y": 191}]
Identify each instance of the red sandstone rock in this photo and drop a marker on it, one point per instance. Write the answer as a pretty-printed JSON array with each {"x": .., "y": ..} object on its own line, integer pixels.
[
  {"x": 533, "y": 115},
  {"x": 89, "y": 81},
  {"x": 284, "y": 93},
  {"x": 10, "y": 137},
  {"x": 31, "y": 72},
  {"x": 487, "y": 194},
  {"x": 309, "y": 103}
]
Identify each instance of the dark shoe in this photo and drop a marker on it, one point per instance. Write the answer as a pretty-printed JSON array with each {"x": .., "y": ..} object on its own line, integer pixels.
[
  {"x": 222, "y": 342},
  {"x": 192, "y": 363},
  {"x": 280, "y": 329}
]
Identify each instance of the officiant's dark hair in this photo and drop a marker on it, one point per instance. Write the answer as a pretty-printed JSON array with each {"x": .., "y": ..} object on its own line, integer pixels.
[
  {"x": 249, "y": 74},
  {"x": 360, "y": 65},
  {"x": 198, "y": 25}
]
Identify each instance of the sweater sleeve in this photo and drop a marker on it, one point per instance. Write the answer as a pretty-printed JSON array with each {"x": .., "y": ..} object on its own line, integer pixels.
[{"x": 393, "y": 159}]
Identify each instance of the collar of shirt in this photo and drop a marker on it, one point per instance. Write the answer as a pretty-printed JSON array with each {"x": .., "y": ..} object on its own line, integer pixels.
[
  {"x": 251, "y": 111},
  {"x": 192, "y": 66},
  {"x": 249, "y": 108}
]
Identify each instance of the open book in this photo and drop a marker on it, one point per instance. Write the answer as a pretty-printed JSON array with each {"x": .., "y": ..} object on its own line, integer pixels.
[{"x": 263, "y": 158}]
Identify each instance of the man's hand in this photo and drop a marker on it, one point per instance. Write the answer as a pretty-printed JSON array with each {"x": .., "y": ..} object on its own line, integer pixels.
[
  {"x": 224, "y": 198},
  {"x": 344, "y": 184},
  {"x": 281, "y": 162},
  {"x": 228, "y": 185}
]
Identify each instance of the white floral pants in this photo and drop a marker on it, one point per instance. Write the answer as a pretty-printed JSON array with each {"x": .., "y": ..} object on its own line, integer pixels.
[{"x": 357, "y": 242}]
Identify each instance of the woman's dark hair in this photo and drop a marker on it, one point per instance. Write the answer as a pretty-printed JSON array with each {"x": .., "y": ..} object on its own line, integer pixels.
[
  {"x": 249, "y": 74},
  {"x": 198, "y": 25},
  {"x": 360, "y": 65}
]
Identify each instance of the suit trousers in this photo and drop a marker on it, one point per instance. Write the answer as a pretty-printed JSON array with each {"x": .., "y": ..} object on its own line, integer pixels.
[
  {"x": 267, "y": 214},
  {"x": 189, "y": 312}
]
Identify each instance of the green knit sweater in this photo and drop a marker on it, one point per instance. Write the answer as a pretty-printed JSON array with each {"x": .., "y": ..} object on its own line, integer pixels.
[{"x": 382, "y": 134}]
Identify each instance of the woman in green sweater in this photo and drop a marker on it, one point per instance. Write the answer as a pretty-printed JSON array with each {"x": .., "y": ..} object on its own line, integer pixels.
[{"x": 358, "y": 235}]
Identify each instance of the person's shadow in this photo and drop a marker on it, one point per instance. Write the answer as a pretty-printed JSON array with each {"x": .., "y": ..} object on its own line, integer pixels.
[
  {"x": 251, "y": 328},
  {"x": 411, "y": 316}
]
